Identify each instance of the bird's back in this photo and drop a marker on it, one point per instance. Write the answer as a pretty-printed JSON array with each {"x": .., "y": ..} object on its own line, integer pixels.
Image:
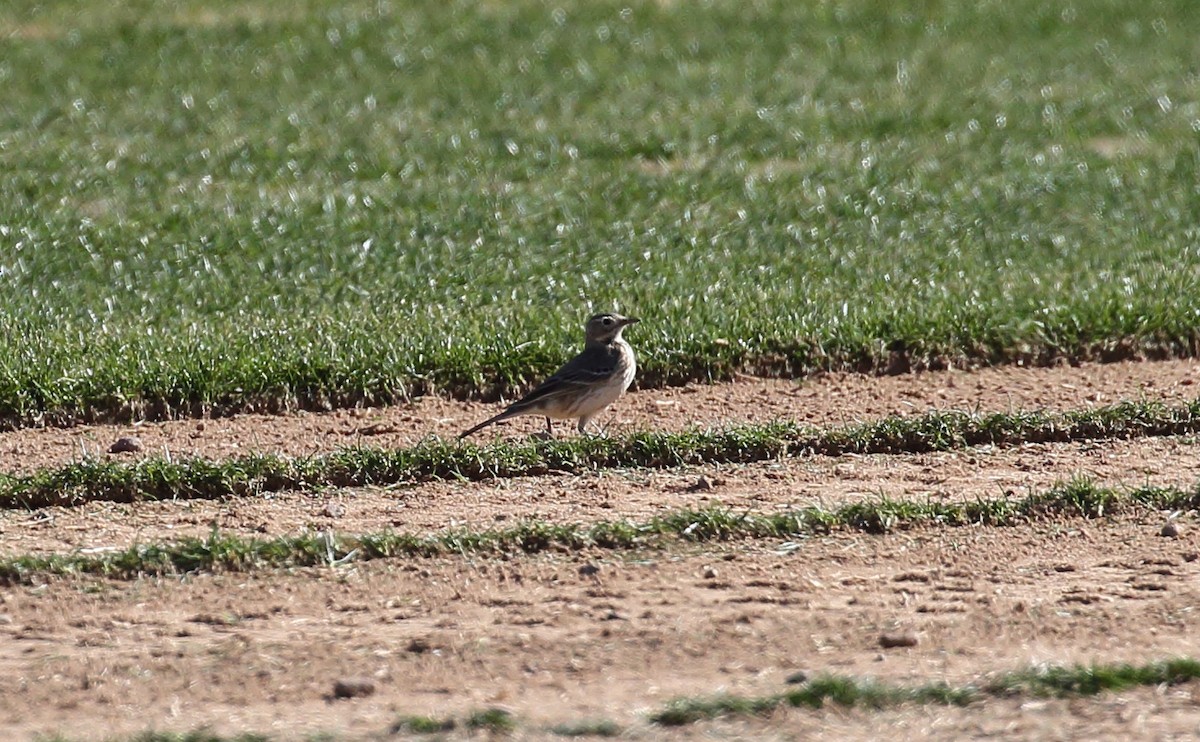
[{"x": 590, "y": 380}]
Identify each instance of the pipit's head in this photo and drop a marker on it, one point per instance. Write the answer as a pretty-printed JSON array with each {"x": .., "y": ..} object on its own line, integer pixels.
[{"x": 606, "y": 327}]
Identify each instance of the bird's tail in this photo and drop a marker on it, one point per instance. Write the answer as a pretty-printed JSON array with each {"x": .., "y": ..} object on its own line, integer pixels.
[{"x": 502, "y": 416}]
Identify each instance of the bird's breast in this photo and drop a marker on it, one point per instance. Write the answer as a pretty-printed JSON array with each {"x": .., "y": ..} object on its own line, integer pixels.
[{"x": 627, "y": 363}]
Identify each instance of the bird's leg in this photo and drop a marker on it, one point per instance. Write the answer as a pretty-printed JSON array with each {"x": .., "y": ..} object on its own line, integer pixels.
[
  {"x": 546, "y": 435},
  {"x": 601, "y": 431}
]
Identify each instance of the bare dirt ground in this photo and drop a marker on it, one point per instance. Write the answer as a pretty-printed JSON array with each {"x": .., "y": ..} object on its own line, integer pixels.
[
  {"x": 828, "y": 400},
  {"x": 551, "y": 643}
]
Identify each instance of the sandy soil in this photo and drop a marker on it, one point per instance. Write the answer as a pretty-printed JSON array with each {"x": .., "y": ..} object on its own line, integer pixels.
[
  {"x": 610, "y": 495},
  {"x": 565, "y": 637},
  {"x": 554, "y": 644},
  {"x": 827, "y": 400}
]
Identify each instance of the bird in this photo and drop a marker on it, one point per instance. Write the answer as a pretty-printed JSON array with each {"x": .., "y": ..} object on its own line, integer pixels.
[{"x": 586, "y": 384}]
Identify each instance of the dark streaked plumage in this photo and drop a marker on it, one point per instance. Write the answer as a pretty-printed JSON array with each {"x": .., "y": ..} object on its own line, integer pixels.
[{"x": 587, "y": 383}]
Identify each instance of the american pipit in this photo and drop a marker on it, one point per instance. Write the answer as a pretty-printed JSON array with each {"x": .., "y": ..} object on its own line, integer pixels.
[{"x": 586, "y": 384}]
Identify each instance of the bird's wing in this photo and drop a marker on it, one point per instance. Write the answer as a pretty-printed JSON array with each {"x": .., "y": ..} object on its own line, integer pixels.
[
  {"x": 590, "y": 368},
  {"x": 581, "y": 372}
]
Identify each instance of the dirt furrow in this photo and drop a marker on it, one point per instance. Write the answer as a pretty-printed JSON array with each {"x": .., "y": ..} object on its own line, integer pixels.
[
  {"x": 560, "y": 638},
  {"x": 565, "y": 637},
  {"x": 826, "y": 400},
  {"x": 971, "y": 474}
]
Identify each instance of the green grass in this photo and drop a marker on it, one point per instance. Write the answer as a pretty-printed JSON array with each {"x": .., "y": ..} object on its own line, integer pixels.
[
  {"x": 492, "y": 719},
  {"x": 162, "y": 478},
  {"x": 222, "y": 553},
  {"x": 208, "y": 205},
  {"x": 421, "y": 725},
  {"x": 1052, "y": 682},
  {"x": 199, "y": 735},
  {"x": 587, "y": 728},
  {"x": 845, "y": 691}
]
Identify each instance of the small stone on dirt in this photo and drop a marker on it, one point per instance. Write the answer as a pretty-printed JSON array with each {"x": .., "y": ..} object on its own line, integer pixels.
[
  {"x": 353, "y": 688},
  {"x": 333, "y": 510},
  {"x": 703, "y": 484},
  {"x": 589, "y": 570},
  {"x": 797, "y": 678},
  {"x": 419, "y": 646},
  {"x": 127, "y": 444},
  {"x": 1170, "y": 529},
  {"x": 898, "y": 639},
  {"x": 710, "y": 573}
]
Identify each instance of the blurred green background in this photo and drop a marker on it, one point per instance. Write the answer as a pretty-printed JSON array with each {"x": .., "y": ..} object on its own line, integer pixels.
[{"x": 205, "y": 205}]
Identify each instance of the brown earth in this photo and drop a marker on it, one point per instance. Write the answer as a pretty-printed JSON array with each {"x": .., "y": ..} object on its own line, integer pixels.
[
  {"x": 553, "y": 639},
  {"x": 827, "y": 400}
]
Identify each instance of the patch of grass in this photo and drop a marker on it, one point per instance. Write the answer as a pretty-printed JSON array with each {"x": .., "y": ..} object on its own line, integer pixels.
[
  {"x": 1056, "y": 682},
  {"x": 689, "y": 711},
  {"x": 421, "y": 725},
  {"x": 492, "y": 719},
  {"x": 853, "y": 692},
  {"x": 200, "y": 735},
  {"x": 220, "y": 552},
  {"x": 210, "y": 205},
  {"x": 587, "y": 728},
  {"x": 160, "y": 478}
]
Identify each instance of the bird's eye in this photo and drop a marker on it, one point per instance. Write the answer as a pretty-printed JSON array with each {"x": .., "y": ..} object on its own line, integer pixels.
[{"x": 608, "y": 320}]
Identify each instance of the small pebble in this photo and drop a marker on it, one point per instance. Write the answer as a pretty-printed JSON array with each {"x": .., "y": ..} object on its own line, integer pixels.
[
  {"x": 588, "y": 570},
  {"x": 333, "y": 510},
  {"x": 125, "y": 445},
  {"x": 899, "y": 639},
  {"x": 353, "y": 688},
  {"x": 1170, "y": 529},
  {"x": 797, "y": 678},
  {"x": 710, "y": 573},
  {"x": 703, "y": 484}
]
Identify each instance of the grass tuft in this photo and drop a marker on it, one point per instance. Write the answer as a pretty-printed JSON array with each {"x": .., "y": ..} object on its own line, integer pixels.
[
  {"x": 492, "y": 719},
  {"x": 1056, "y": 682},
  {"x": 852, "y": 692},
  {"x": 421, "y": 725},
  {"x": 587, "y": 728},
  {"x": 199, "y": 735}
]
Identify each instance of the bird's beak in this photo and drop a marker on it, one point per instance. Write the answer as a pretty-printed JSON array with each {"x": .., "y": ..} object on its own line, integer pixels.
[{"x": 631, "y": 321}]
